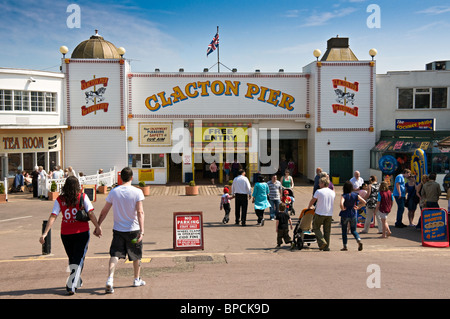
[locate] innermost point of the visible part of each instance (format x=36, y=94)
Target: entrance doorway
x=203, y=173
x=175, y=170
x=341, y=164
x=292, y=150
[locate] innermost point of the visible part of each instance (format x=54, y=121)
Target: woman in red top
x=74, y=234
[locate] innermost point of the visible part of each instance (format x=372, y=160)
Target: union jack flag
x=213, y=45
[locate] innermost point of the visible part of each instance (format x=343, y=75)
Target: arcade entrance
x=203, y=172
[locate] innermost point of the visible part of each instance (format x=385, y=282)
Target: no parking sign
x=188, y=230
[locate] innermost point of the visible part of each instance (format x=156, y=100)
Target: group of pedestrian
x=39, y=177
x=128, y=230
x=408, y=194
x=272, y=194
x=376, y=198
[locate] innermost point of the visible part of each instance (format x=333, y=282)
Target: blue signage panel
x=434, y=227
x=415, y=124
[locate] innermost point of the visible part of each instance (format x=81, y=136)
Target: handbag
x=82, y=215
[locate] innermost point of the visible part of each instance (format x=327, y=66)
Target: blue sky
x=254, y=34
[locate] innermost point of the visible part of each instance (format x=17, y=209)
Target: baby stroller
x=303, y=230
x=290, y=202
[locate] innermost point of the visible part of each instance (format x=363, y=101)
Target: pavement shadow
x=58, y=291
x=408, y=233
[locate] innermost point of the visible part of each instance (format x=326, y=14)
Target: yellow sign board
x=146, y=175
x=155, y=134
x=223, y=134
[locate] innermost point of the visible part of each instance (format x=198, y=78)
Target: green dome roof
x=95, y=48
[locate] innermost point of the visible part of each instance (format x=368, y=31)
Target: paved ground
x=236, y=263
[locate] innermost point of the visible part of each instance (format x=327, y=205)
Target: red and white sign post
x=188, y=230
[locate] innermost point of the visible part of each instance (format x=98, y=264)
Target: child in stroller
x=303, y=230
x=288, y=199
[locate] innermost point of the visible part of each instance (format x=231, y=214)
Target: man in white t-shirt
x=357, y=181
x=324, y=199
x=128, y=229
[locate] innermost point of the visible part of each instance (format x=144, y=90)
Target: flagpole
x=218, y=48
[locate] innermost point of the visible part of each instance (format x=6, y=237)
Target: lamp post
x=373, y=53
x=121, y=51
x=63, y=49
x=317, y=53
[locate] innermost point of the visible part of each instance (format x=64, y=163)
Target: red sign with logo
x=188, y=230
x=345, y=98
x=94, y=95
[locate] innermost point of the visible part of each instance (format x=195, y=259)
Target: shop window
x=41, y=159
x=134, y=160
x=28, y=162
x=148, y=160
x=157, y=160
x=14, y=163
x=53, y=160
x=440, y=163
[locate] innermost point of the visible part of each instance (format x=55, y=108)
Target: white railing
x=107, y=179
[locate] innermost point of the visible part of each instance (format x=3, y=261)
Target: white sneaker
x=109, y=286
x=138, y=282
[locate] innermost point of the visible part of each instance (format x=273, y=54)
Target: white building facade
x=31, y=120
x=169, y=127
x=413, y=112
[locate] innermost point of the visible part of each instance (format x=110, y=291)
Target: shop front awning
x=444, y=142
x=406, y=145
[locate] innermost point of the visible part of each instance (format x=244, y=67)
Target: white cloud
x=436, y=10
x=291, y=14
x=322, y=18
x=41, y=28
x=427, y=27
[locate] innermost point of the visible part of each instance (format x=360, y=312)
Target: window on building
x=21, y=101
x=134, y=160
x=53, y=160
x=439, y=98
x=25, y=101
x=440, y=163
x=28, y=162
x=37, y=101
x=422, y=98
x=50, y=102
x=405, y=98
x=148, y=160
x=14, y=163
x=157, y=160
x=42, y=160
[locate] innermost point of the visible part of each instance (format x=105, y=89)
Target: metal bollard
x=47, y=245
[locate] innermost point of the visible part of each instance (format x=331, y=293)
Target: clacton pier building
x=169, y=126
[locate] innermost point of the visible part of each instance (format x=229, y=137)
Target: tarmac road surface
x=237, y=262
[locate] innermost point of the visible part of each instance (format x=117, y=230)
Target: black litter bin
x=188, y=177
